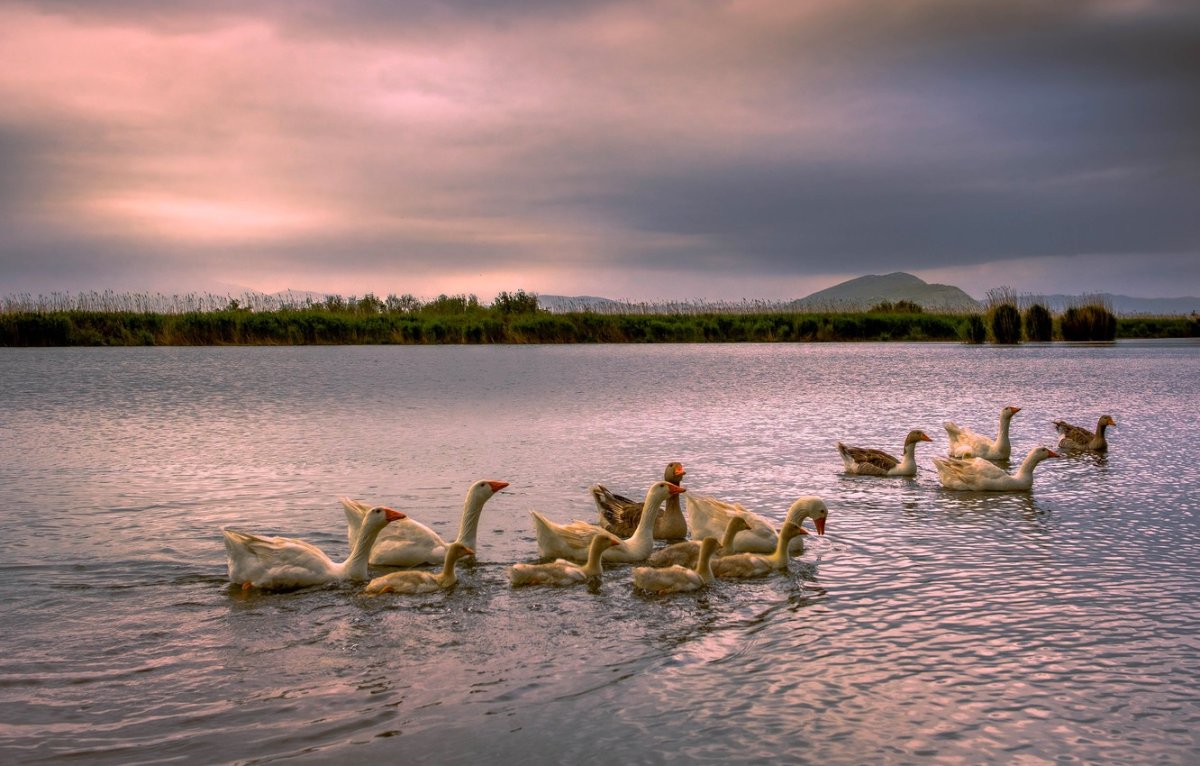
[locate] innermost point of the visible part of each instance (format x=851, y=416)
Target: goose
x=708, y=517
x=873, y=462
x=1077, y=438
x=687, y=553
x=620, y=515
x=966, y=443
x=563, y=572
x=411, y=581
x=677, y=579
x=570, y=541
x=411, y=543
x=978, y=474
x=756, y=564
x=286, y=562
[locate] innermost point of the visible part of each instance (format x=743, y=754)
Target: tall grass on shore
x=1091, y=319
x=109, y=319
x=1003, y=317
x=113, y=320
x=1038, y=323
x=973, y=330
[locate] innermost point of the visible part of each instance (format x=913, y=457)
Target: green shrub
x=1005, y=323
x=973, y=330
x=899, y=307
x=1089, y=322
x=1039, y=325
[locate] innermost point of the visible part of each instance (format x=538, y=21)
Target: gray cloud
x=846, y=137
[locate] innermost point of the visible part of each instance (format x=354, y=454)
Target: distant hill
x=865, y=292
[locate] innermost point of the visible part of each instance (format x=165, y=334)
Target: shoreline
x=491, y=326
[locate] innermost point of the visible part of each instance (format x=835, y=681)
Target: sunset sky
x=635, y=150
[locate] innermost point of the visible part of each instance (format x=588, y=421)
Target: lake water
x=1057, y=626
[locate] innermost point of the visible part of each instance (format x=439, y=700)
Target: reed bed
x=1038, y=323
x=113, y=319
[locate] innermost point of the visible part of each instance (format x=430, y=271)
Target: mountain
x=864, y=292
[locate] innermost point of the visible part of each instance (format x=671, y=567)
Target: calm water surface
x=1057, y=626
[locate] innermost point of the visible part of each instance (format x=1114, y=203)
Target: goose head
x=809, y=506
x=659, y=491
x=602, y=542
x=791, y=529
x=482, y=490
x=733, y=526
x=1037, y=455
x=1009, y=411
x=916, y=436
x=457, y=551
x=379, y=517
x=1105, y=420
x=674, y=473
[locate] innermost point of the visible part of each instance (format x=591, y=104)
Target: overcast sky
x=635, y=150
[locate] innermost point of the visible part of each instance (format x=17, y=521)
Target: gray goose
x=620, y=515
x=1078, y=438
x=873, y=462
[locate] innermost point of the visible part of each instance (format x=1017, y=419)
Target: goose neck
x=448, y=576
x=355, y=567
x=704, y=565
x=779, y=559
x=593, y=567
x=468, y=525
x=727, y=539
x=1028, y=464
x=645, y=527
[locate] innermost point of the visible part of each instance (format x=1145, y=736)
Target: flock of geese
x=727, y=540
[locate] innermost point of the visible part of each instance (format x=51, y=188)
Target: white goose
x=873, y=462
x=563, y=572
x=687, y=553
x=570, y=541
x=977, y=474
x=756, y=564
x=412, y=581
x=677, y=579
x=286, y=562
x=709, y=516
x=411, y=543
x=966, y=443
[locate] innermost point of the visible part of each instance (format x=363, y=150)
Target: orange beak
x=676, y=490
x=497, y=485
x=679, y=471
x=469, y=551
x=1051, y=453
x=820, y=525
x=393, y=515
x=1015, y=409
x=925, y=438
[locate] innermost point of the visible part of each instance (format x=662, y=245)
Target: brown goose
x=1077, y=438
x=620, y=515
x=874, y=462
